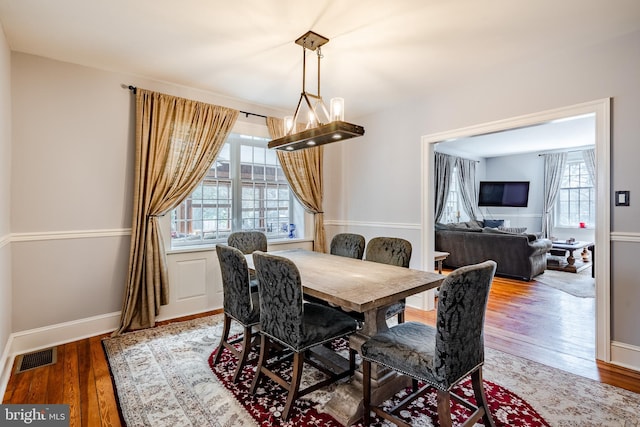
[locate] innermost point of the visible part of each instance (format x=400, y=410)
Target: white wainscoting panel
x=191, y=278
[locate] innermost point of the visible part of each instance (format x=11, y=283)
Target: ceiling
x=564, y=134
x=380, y=52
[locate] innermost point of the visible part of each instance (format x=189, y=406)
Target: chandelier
x=323, y=126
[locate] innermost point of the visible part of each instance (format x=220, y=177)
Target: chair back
x=281, y=298
x=248, y=241
x=462, y=303
x=389, y=250
x=237, y=298
x=347, y=245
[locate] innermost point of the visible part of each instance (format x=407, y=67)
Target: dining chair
x=393, y=251
x=439, y=356
x=285, y=319
x=348, y=245
x=240, y=304
x=249, y=242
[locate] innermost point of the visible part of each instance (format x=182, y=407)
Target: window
x=576, y=201
x=452, y=209
x=245, y=189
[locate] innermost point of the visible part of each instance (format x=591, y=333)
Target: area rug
x=577, y=284
x=268, y=402
x=163, y=378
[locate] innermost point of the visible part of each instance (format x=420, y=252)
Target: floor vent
x=36, y=359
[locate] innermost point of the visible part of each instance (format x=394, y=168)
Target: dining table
x=364, y=287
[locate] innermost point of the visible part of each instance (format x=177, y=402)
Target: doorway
x=601, y=110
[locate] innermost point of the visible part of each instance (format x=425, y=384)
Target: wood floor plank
x=71, y=393
x=89, y=406
x=109, y=413
x=55, y=387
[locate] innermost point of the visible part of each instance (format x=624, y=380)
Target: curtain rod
x=246, y=113
x=587, y=147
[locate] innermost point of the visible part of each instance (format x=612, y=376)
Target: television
x=504, y=193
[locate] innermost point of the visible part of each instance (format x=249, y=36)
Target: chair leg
x=294, y=386
x=401, y=317
x=223, y=338
x=481, y=398
x=444, y=408
x=264, y=350
x=366, y=391
x=244, y=352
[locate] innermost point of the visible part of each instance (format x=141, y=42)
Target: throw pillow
x=493, y=223
x=513, y=229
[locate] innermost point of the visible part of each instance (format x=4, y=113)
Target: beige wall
x=5, y=195
x=73, y=157
x=385, y=162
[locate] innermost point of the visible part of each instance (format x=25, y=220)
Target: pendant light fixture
x=322, y=126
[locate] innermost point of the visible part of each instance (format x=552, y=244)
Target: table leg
x=346, y=404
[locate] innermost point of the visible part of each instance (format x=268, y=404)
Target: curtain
x=303, y=169
x=468, y=186
x=554, y=165
x=589, y=157
x=176, y=142
x=442, y=174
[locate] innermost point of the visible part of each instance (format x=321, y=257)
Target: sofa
x=518, y=255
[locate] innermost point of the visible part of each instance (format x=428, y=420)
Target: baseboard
x=625, y=355
x=49, y=336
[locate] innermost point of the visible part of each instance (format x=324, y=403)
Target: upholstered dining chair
x=296, y=325
x=439, y=356
x=248, y=242
x=348, y=245
x=240, y=304
x=393, y=251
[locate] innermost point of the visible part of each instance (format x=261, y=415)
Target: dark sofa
x=518, y=255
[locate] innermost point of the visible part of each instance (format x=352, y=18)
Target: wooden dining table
x=365, y=287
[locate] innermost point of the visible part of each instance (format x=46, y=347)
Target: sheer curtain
x=554, y=165
x=589, y=157
x=468, y=185
x=442, y=174
x=303, y=169
x=176, y=141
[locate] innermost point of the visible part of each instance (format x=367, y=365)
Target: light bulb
x=337, y=109
x=288, y=125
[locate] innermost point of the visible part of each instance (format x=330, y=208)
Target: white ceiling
x=380, y=52
x=565, y=134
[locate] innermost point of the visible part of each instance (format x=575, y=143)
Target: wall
x=6, y=310
x=73, y=158
x=522, y=167
x=385, y=162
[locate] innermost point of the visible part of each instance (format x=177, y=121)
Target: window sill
x=206, y=248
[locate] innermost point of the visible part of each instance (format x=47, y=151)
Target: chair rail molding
x=369, y=224
x=622, y=236
x=72, y=234
x=5, y=240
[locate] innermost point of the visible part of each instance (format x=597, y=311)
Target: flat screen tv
x=504, y=193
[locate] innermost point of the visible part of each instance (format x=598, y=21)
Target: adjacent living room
x=514, y=231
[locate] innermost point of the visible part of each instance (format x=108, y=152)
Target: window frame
x=557, y=209
x=257, y=136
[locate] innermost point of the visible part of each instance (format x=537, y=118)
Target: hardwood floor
x=526, y=319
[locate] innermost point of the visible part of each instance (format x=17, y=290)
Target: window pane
x=263, y=196
x=576, y=197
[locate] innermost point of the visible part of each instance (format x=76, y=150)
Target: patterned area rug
x=268, y=402
x=577, y=284
x=163, y=378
